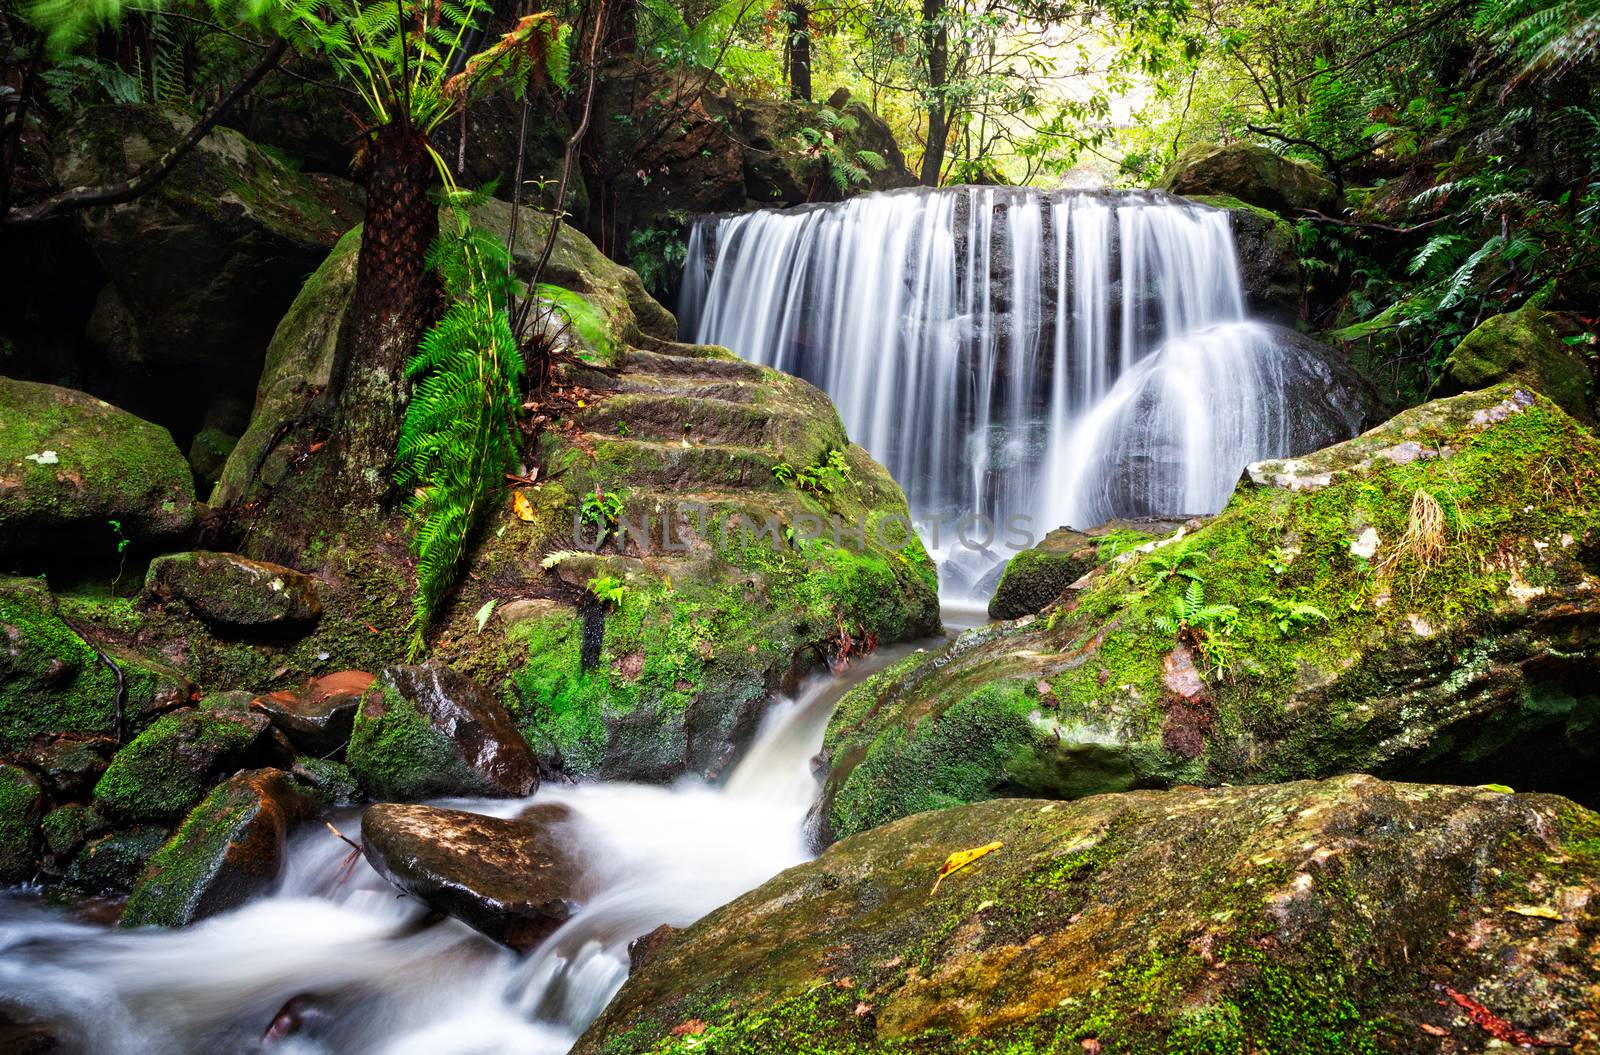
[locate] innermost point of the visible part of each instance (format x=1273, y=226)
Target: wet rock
x=69, y=763
x=642, y=948
x=203, y=266
x=65, y=830
x=208, y=453
x=1265, y=245
x=1420, y=601
x=1254, y=175
x=319, y=717
x=1227, y=920
x=51, y=681
x=514, y=880
x=234, y=593
x=430, y=730
x=166, y=769
x=111, y=863
x=331, y=780
x=1525, y=347
x=21, y=806
x=1037, y=576
x=229, y=848
x=69, y=463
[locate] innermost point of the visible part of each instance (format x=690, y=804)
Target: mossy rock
x=167, y=768
x=1267, y=250
x=208, y=453
x=1309, y=917
x=1253, y=174
x=21, y=807
x=1035, y=577
x=66, y=829
x=1525, y=347
x=111, y=863
x=424, y=731
x=236, y=593
x=229, y=848
x=51, y=681
x=70, y=464
x=1419, y=601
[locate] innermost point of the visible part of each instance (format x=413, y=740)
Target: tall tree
x=797, y=15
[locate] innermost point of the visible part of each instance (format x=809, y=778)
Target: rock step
x=674, y=466
x=672, y=418
x=678, y=365
x=682, y=385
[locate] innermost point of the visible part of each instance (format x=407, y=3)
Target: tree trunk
x=394, y=300
x=799, y=49
x=936, y=42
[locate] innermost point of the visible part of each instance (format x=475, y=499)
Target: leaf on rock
x=484, y=613
x=692, y=1028
x=1536, y=911
x=522, y=508
x=959, y=860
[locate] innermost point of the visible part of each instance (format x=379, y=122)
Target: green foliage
x=831, y=471
x=575, y=315
x=601, y=510
x=459, y=437
x=608, y=590
x=726, y=40
x=1177, y=560
x=827, y=151
x=1290, y=617
x=657, y=253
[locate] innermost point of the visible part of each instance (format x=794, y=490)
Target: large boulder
x=1351, y=915
x=1420, y=601
x=229, y=848
x=167, y=768
x=237, y=594
x=1254, y=175
x=54, y=681
x=1524, y=346
x=201, y=267
x=430, y=730
x=515, y=880
x=77, y=474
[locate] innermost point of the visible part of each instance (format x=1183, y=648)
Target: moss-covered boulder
x=167, y=768
x=71, y=464
x=208, y=453
x=69, y=764
x=52, y=681
x=1418, y=601
x=1035, y=577
x=64, y=831
x=1524, y=347
x=21, y=807
x=429, y=730
x=110, y=864
x=1252, y=174
x=229, y=847
x=201, y=267
x=237, y=594
x=1345, y=916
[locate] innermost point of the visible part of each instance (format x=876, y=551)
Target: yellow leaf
x=1536, y=911
x=521, y=507
x=959, y=860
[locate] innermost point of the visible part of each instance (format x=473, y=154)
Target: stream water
x=366, y=972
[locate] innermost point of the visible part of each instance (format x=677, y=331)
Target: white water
x=1062, y=357
x=378, y=981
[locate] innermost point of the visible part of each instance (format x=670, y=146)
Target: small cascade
x=1066, y=357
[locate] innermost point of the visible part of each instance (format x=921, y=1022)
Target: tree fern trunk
x=394, y=301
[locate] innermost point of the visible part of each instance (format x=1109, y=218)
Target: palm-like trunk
x=394, y=301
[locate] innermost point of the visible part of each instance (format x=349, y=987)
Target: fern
x=458, y=438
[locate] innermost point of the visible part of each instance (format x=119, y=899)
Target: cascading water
x=1065, y=357
x=365, y=971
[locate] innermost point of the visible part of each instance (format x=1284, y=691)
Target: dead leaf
x=863, y=1009
x=843, y=983
x=1536, y=911
x=959, y=860
x=692, y=1028
x=521, y=508
x=1433, y=1031
x=1493, y=1024
x=1090, y=1045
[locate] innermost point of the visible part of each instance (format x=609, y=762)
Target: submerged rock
x=431, y=730
x=1526, y=347
x=1253, y=174
x=514, y=880
x=229, y=848
x=1347, y=915
x=235, y=593
x=1420, y=601
x=166, y=769
x=70, y=464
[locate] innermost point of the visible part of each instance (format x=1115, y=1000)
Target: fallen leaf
x=1493, y=1024
x=1090, y=1045
x=484, y=613
x=521, y=507
x=1501, y=788
x=863, y=1009
x=1434, y=1031
x=843, y=983
x=1536, y=911
x=692, y=1028
x=959, y=860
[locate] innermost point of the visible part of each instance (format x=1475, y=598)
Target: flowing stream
x=1062, y=358
x=365, y=971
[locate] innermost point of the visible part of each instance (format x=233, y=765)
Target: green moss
x=1521, y=346
x=21, y=802
x=397, y=755
x=111, y=863
x=166, y=769
x=49, y=679
x=68, y=827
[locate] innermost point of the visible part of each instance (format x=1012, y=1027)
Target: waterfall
x=1062, y=357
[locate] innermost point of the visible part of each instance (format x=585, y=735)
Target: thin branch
x=148, y=177
x=1410, y=31
x=570, y=155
